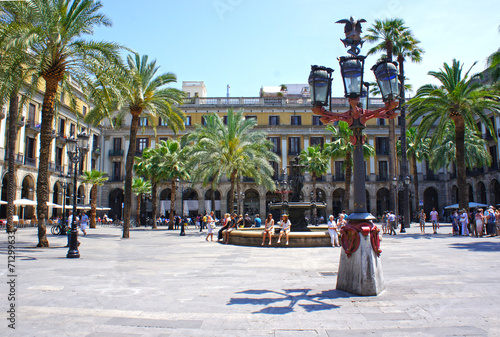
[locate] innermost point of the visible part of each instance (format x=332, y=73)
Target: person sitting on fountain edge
x=285, y=228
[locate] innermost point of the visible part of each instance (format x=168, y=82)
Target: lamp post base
x=73, y=252
x=360, y=268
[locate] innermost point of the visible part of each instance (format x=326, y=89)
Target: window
x=317, y=141
x=277, y=145
x=296, y=120
x=59, y=156
x=117, y=144
x=251, y=117
x=143, y=121
x=162, y=139
x=117, y=171
x=84, y=110
x=274, y=120
x=141, y=144
x=339, y=170
x=30, y=148
x=187, y=122
x=380, y=121
x=31, y=113
x=399, y=120
x=203, y=120
x=224, y=120
x=383, y=172
x=62, y=124
x=316, y=120
x=72, y=129
x=294, y=145
x=93, y=164
x=95, y=141
x=382, y=145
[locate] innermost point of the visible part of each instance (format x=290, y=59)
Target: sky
x=253, y=43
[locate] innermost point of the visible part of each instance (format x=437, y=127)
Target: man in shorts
x=434, y=215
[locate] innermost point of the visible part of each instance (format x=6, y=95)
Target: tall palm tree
x=173, y=167
x=316, y=162
x=233, y=150
x=444, y=152
x=417, y=151
x=96, y=178
x=139, y=92
x=14, y=75
x=394, y=38
x=342, y=147
x=140, y=187
x=55, y=37
x=459, y=99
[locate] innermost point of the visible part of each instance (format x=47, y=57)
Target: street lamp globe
x=71, y=144
x=386, y=74
x=320, y=80
x=83, y=142
x=351, y=69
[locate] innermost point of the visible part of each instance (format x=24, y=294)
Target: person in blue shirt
x=258, y=221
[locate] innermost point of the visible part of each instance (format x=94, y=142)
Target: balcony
x=61, y=137
x=338, y=178
x=293, y=152
x=30, y=162
x=33, y=126
x=18, y=157
x=116, y=178
x=382, y=177
x=115, y=153
x=20, y=122
x=96, y=151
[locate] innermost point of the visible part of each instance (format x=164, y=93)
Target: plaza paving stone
x=158, y=283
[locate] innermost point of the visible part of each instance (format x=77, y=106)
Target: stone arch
x=28, y=192
x=189, y=202
x=337, y=201
x=251, y=202
x=216, y=204
x=495, y=192
x=80, y=199
x=481, y=192
x=115, y=200
x=431, y=199
x=383, y=200
x=470, y=192
x=454, y=194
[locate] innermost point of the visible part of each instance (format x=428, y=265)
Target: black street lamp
x=352, y=71
x=283, y=189
x=77, y=149
x=64, y=186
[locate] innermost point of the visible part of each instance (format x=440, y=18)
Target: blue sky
x=251, y=43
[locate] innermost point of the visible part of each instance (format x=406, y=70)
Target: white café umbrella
x=25, y=202
x=82, y=207
x=3, y=202
x=51, y=204
x=471, y=205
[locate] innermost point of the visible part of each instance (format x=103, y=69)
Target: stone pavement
x=158, y=283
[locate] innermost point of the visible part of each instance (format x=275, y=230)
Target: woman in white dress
x=210, y=226
x=285, y=228
x=332, y=230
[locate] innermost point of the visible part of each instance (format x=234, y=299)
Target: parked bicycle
x=58, y=228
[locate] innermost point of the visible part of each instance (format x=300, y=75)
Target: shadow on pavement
x=289, y=299
x=478, y=246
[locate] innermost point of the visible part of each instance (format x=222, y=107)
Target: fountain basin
x=317, y=237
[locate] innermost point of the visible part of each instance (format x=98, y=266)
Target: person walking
x=210, y=226
x=332, y=230
x=422, y=217
x=434, y=216
x=464, y=221
x=268, y=229
x=392, y=223
x=479, y=220
x=84, y=222
x=455, y=221
x=489, y=220
x=384, y=223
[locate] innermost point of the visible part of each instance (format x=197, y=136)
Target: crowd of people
x=477, y=223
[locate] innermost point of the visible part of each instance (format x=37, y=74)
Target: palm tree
x=173, y=167
x=316, y=163
x=55, y=37
x=394, y=38
x=141, y=93
x=459, y=99
x=342, y=147
x=96, y=178
x=443, y=153
x=14, y=62
x=140, y=187
x=233, y=150
x=418, y=151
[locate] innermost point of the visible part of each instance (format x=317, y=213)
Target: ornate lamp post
x=77, y=149
x=360, y=232
x=283, y=189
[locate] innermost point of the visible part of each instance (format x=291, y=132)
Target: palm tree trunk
x=42, y=184
x=415, y=183
x=315, y=214
x=463, y=196
x=11, y=173
x=93, y=204
x=138, y=210
x=172, y=205
x=129, y=174
x=154, y=188
x=238, y=191
x=348, y=181
x=230, y=207
x=392, y=163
